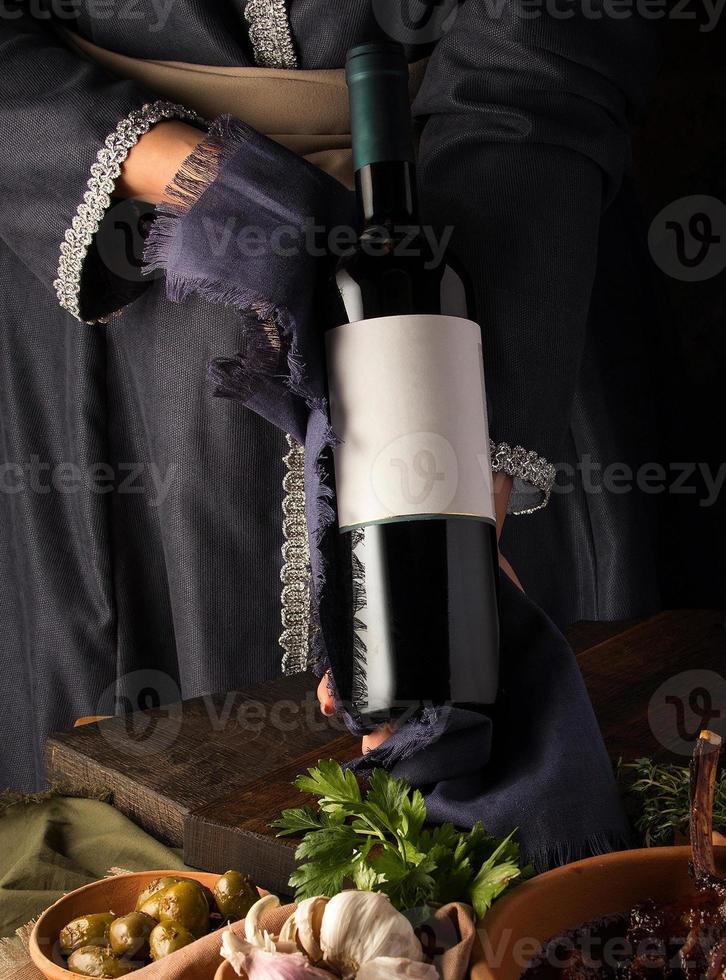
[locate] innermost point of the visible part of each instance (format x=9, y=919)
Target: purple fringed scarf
x=241, y=231
x=247, y=228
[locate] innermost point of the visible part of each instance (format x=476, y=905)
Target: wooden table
x=190, y=773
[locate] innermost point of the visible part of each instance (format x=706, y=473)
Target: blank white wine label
x=408, y=404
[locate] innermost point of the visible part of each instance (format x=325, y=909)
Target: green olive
x=99, y=961
x=167, y=938
x=129, y=935
x=87, y=930
x=148, y=900
x=235, y=895
x=186, y=905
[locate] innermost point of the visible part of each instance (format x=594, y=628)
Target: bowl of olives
x=123, y=924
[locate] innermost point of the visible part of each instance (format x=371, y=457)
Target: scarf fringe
x=195, y=176
x=565, y=852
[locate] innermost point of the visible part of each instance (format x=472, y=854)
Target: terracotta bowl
x=225, y=972
x=116, y=894
x=563, y=899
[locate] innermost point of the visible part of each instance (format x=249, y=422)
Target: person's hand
x=327, y=706
x=325, y=696
x=502, y=492
x=154, y=160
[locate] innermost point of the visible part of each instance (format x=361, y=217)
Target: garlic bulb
x=394, y=968
x=355, y=934
x=359, y=926
x=266, y=963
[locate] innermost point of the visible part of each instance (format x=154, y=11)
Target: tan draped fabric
x=306, y=111
x=202, y=960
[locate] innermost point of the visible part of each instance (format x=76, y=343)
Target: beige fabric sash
x=306, y=111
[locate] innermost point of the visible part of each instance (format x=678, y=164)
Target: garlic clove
x=253, y=932
x=395, y=968
x=254, y=963
x=308, y=924
x=359, y=926
x=289, y=930
x=283, y=946
x=234, y=950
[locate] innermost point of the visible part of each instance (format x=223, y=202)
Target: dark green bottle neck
x=382, y=134
x=386, y=193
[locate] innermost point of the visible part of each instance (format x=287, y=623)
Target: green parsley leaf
x=299, y=820
x=331, y=783
x=379, y=841
x=313, y=879
x=333, y=844
x=493, y=878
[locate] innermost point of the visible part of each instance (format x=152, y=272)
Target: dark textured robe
x=140, y=518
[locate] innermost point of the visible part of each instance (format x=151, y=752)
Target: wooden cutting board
x=210, y=774
x=169, y=765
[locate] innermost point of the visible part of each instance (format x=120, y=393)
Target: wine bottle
x=412, y=470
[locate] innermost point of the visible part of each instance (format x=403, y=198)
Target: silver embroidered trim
x=271, y=40
x=295, y=574
x=97, y=198
x=270, y=35
x=527, y=466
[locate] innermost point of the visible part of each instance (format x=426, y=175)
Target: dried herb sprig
x=659, y=794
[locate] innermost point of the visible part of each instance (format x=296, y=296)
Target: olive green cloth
x=51, y=847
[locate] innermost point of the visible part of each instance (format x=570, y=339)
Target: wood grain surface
x=210, y=774
x=167, y=762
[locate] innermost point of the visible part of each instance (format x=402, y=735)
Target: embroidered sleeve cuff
x=533, y=476
x=97, y=198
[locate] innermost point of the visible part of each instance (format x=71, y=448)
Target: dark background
x=680, y=150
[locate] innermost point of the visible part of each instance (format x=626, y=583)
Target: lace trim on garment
x=530, y=472
x=97, y=198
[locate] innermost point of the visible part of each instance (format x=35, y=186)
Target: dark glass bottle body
x=420, y=602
